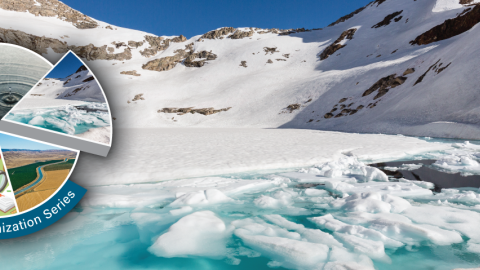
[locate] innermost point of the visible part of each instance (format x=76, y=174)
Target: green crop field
x=60, y=166
x=23, y=175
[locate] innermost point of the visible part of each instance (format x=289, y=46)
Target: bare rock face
x=138, y=97
x=349, y=16
x=348, y=34
x=91, y=52
x=266, y=31
x=50, y=8
x=41, y=44
x=135, y=44
x=187, y=55
x=408, y=71
x=91, y=78
x=204, y=55
x=384, y=85
x=182, y=111
x=450, y=28
x=219, y=33
x=179, y=39
x=378, y=2
x=268, y=50
x=158, y=44
x=293, y=107
x=132, y=73
x=388, y=19
x=32, y=42
x=243, y=64
x=241, y=34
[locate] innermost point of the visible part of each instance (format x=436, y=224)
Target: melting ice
x=342, y=214
x=66, y=119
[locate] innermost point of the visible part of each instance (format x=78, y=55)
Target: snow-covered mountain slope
x=400, y=66
x=81, y=85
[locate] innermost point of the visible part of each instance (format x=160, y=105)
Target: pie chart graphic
x=49, y=114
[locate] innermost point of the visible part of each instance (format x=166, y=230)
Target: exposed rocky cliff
x=50, y=8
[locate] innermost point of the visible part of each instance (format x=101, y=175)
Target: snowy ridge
x=443, y=104
x=81, y=85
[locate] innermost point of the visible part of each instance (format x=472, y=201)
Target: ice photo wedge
x=67, y=107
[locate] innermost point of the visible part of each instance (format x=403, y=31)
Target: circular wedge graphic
x=65, y=106
x=49, y=114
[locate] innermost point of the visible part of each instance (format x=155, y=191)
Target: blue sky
x=66, y=67
x=12, y=142
x=194, y=17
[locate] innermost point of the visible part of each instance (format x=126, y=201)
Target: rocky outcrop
x=437, y=67
x=241, y=34
x=138, y=97
x=135, y=44
x=203, y=55
x=450, y=28
x=179, y=39
x=89, y=79
x=293, y=107
x=41, y=44
x=82, y=68
x=187, y=56
x=50, y=8
x=268, y=50
x=182, y=111
x=408, y=71
x=219, y=33
x=132, y=73
x=243, y=64
x=378, y=2
x=388, y=19
x=158, y=44
x=384, y=85
x=349, y=16
x=466, y=2
x=348, y=34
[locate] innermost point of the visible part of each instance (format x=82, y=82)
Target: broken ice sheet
x=308, y=219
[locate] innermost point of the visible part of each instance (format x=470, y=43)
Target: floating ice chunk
x=208, y=196
x=313, y=192
x=330, y=223
x=373, y=249
x=404, y=167
x=448, y=218
x=181, y=210
x=341, y=259
x=401, y=228
x=286, y=252
x=422, y=184
x=371, y=173
x=198, y=234
x=334, y=173
x=216, y=196
x=267, y=202
x=371, y=203
x=311, y=235
x=473, y=247
x=349, y=166
x=37, y=121
x=394, y=188
x=278, y=199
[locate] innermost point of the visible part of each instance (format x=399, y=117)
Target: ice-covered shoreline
x=153, y=155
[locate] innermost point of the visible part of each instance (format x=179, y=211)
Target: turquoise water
x=101, y=235
x=65, y=119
